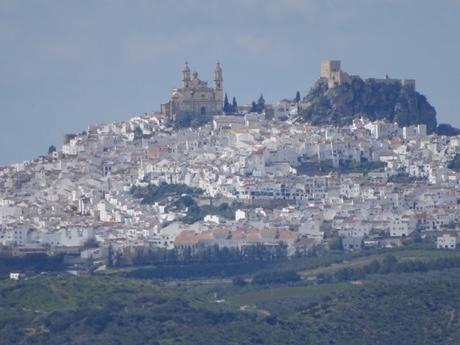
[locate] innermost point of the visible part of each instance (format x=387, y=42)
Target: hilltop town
x=190, y=177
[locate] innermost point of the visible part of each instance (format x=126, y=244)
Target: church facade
x=195, y=97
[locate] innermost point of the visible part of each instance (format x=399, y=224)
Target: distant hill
x=370, y=98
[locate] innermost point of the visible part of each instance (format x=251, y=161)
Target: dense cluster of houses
x=287, y=178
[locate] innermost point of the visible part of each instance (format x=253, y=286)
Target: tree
x=373, y=267
x=343, y=274
x=253, y=107
x=389, y=264
x=417, y=237
x=336, y=243
x=454, y=164
x=261, y=104
x=110, y=256
x=297, y=97
x=91, y=243
x=227, y=106
x=183, y=120
x=51, y=149
x=138, y=133
x=234, y=106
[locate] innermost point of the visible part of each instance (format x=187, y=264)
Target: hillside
x=369, y=98
x=393, y=308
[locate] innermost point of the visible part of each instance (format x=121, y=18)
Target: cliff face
x=369, y=98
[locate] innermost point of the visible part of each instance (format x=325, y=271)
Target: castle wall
x=333, y=74
x=389, y=81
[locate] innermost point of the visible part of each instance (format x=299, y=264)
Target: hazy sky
x=67, y=64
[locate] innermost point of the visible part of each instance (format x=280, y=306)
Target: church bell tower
x=218, y=81
x=218, y=77
x=186, y=76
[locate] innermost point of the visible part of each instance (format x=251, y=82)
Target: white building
x=400, y=227
x=446, y=241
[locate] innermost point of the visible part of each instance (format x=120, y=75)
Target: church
x=195, y=97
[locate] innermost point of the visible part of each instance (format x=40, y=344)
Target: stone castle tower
x=331, y=71
x=195, y=97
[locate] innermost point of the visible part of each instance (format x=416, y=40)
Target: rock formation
x=374, y=99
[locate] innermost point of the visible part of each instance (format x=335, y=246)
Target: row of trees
x=230, y=108
x=31, y=262
x=256, y=107
x=187, y=120
x=202, y=262
x=389, y=264
x=201, y=255
x=259, y=106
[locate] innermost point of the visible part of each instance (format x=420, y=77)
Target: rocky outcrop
x=374, y=100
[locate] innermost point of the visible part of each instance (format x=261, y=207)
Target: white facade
x=400, y=228
x=195, y=97
x=446, y=241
